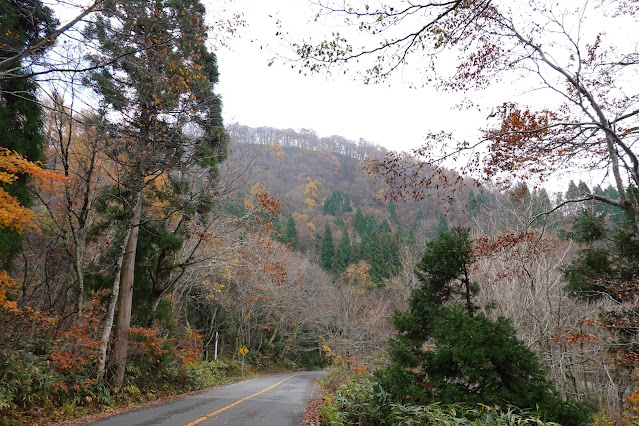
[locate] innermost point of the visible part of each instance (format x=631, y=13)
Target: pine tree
x=338, y=265
x=345, y=248
x=442, y=225
x=327, y=253
x=392, y=213
x=606, y=268
x=346, y=204
x=373, y=254
x=333, y=204
x=291, y=231
x=468, y=357
x=359, y=221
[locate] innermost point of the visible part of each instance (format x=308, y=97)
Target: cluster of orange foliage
x=188, y=348
x=13, y=215
x=7, y=284
x=570, y=337
x=75, y=349
x=147, y=342
x=631, y=408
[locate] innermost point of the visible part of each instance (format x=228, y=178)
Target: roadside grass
x=49, y=402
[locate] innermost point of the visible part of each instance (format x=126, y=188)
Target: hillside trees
x=590, y=122
x=586, y=120
x=163, y=83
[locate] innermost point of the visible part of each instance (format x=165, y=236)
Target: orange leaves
x=357, y=274
x=146, y=342
x=188, y=348
x=486, y=246
x=471, y=72
x=523, y=140
x=7, y=284
x=570, y=337
x=12, y=163
x=13, y=215
x=631, y=408
x=75, y=348
x=526, y=142
x=277, y=271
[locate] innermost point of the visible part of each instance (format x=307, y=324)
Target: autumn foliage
x=12, y=215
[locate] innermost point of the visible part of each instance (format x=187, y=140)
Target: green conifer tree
x=359, y=222
x=327, y=252
x=345, y=248
x=444, y=351
x=338, y=266
x=392, y=213
x=346, y=204
x=442, y=225
x=606, y=268
x=291, y=231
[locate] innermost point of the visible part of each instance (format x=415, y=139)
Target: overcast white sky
x=396, y=117
x=255, y=94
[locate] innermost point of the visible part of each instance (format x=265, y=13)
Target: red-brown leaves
x=529, y=239
x=76, y=348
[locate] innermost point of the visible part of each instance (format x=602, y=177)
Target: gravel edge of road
x=311, y=416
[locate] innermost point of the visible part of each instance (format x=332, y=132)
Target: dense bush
x=206, y=374
x=366, y=403
x=25, y=379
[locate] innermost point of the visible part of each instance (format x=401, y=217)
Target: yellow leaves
x=314, y=191
x=258, y=188
x=304, y=218
x=214, y=290
x=358, y=275
x=277, y=151
x=188, y=348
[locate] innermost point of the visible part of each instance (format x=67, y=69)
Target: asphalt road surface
x=276, y=400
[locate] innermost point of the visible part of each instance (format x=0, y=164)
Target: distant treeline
x=304, y=138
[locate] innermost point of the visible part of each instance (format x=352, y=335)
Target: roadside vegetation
x=140, y=237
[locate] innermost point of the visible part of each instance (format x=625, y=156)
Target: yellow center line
x=208, y=416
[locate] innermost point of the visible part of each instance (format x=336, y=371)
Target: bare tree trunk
x=125, y=297
x=108, y=322
x=79, y=270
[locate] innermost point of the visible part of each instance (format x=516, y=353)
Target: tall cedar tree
x=291, y=231
x=327, y=252
x=446, y=352
x=21, y=118
x=156, y=77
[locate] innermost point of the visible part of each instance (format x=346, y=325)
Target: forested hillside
x=343, y=219
x=147, y=249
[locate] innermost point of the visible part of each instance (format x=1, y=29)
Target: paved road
x=276, y=400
